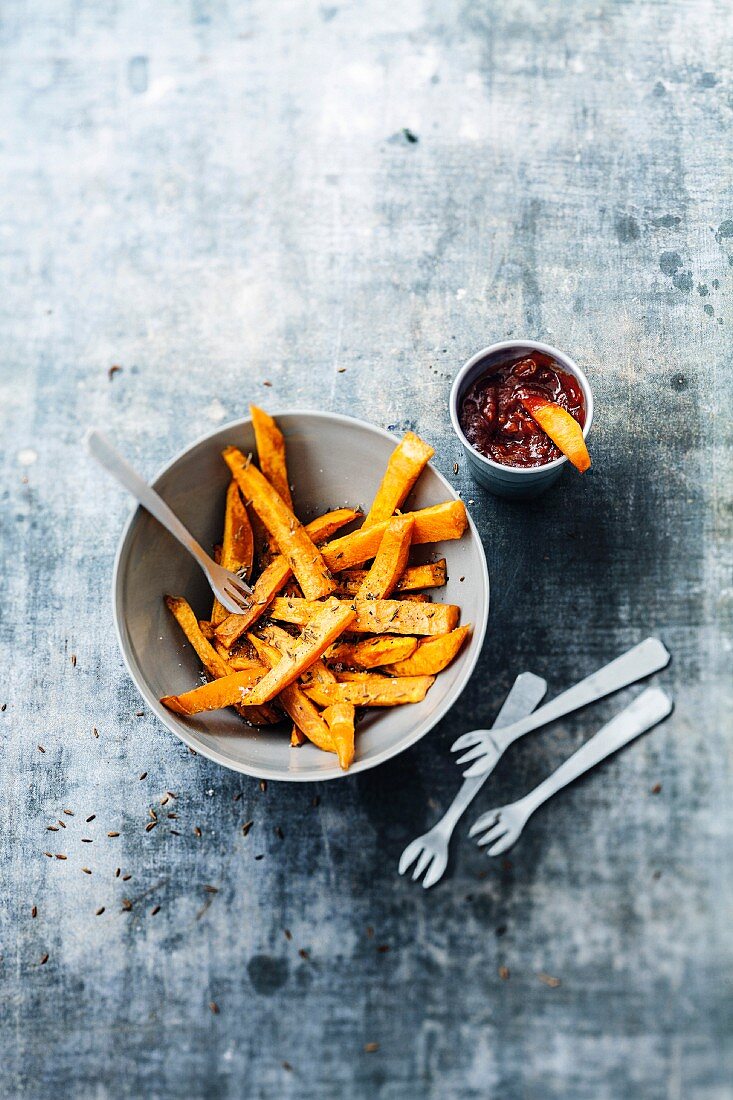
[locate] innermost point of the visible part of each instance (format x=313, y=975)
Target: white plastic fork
x=229, y=589
x=431, y=849
x=503, y=827
x=486, y=748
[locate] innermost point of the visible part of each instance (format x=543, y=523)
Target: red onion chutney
x=495, y=422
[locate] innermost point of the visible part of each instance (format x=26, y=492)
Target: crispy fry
x=294, y=542
x=376, y=691
x=214, y=665
x=237, y=544
x=276, y=576
x=297, y=737
x=372, y=652
x=271, y=452
x=377, y=616
x=391, y=559
x=415, y=577
x=225, y=692
x=406, y=463
x=434, y=524
x=432, y=655
x=296, y=703
x=318, y=672
x=328, y=624
x=339, y=718
x=562, y=428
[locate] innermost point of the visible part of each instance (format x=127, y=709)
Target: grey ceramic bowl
x=512, y=481
x=333, y=461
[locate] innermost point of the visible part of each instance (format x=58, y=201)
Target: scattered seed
x=174, y=832
x=150, y=825
x=656, y=788
x=172, y=816
x=154, y=910
x=214, y=1007
x=118, y=872
x=113, y=370
x=260, y=857
x=113, y=834
x=288, y=934
x=263, y=785
x=657, y=875
x=267, y=383
x=165, y=800
x=279, y=833
x=371, y=1048
x=90, y=818
x=197, y=831
x=500, y=930
x=69, y=813
x=288, y=1067
x=211, y=889
x=237, y=796
x=86, y=871
x=153, y=814
x=341, y=370
x=171, y=794
x=43, y=960
x=143, y=775
x=304, y=954
x=192, y=751
x=48, y=854
x=246, y=827
x=86, y=840
x=383, y=948
x=126, y=878
x=549, y=980
x=99, y=911
x=60, y=856
x=73, y=660
x=41, y=748
x=34, y=911
x=370, y=931
x=504, y=973
x=455, y=467
x=52, y=828
x=316, y=801
x=61, y=823
x=95, y=731
x=4, y=707
x=409, y=136
x=126, y=905
x=139, y=713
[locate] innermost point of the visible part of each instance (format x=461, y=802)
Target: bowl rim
x=535, y=345
x=424, y=727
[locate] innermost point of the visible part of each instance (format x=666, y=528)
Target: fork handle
x=101, y=449
x=644, y=659
x=646, y=710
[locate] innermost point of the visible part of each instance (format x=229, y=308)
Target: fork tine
x=422, y=863
x=472, y=754
x=410, y=854
x=503, y=845
x=465, y=741
x=243, y=590
x=435, y=871
x=484, y=822
x=479, y=768
x=494, y=833
x=236, y=597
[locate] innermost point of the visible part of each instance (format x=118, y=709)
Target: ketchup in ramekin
x=495, y=422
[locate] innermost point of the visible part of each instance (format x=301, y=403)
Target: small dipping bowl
x=514, y=482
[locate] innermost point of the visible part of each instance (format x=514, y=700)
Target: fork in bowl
x=431, y=849
x=229, y=588
x=502, y=827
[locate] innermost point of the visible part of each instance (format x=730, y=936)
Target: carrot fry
x=376, y=691
x=296, y=703
x=376, y=616
x=434, y=524
x=406, y=463
x=432, y=655
x=276, y=576
x=415, y=577
x=213, y=663
x=237, y=544
x=372, y=652
x=390, y=562
x=339, y=718
x=295, y=544
x=326, y=625
x=271, y=452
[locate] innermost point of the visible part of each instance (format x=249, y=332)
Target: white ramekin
x=512, y=481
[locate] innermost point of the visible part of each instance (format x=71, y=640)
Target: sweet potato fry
x=294, y=542
x=414, y=578
x=296, y=703
x=328, y=624
x=377, y=616
x=276, y=576
x=372, y=652
x=271, y=452
x=432, y=655
x=562, y=428
x=339, y=718
x=225, y=692
x=297, y=737
x=318, y=672
x=406, y=463
x=376, y=691
x=391, y=559
x=434, y=524
x=237, y=544
x=214, y=665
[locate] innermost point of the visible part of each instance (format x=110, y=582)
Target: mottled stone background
x=216, y=196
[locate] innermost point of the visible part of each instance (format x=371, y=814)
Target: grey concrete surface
x=220, y=198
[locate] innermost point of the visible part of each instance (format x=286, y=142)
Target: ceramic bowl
x=333, y=461
x=514, y=482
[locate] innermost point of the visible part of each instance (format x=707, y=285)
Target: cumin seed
x=197, y=831
x=61, y=823
x=41, y=748
x=549, y=980
x=99, y=911
x=73, y=660
x=287, y=933
x=90, y=818
x=150, y=825
x=154, y=910
x=52, y=828
x=95, y=731
x=263, y=785
x=371, y=1048
x=48, y=854
x=152, y=814
x=172, y=817
x=504, y=973
x=69, y=813
x=212, y=1004
x=126, y=878
x=113, y=834
x=59, y=855
x=126, y=905
x=304, y=953
x=455, y=467
x=174, y=832
x=34, y=911
x=246, y=827
x=86, y=871
x=143, y=775
x=118, y=872
x=86, y=840
x=43, y=960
